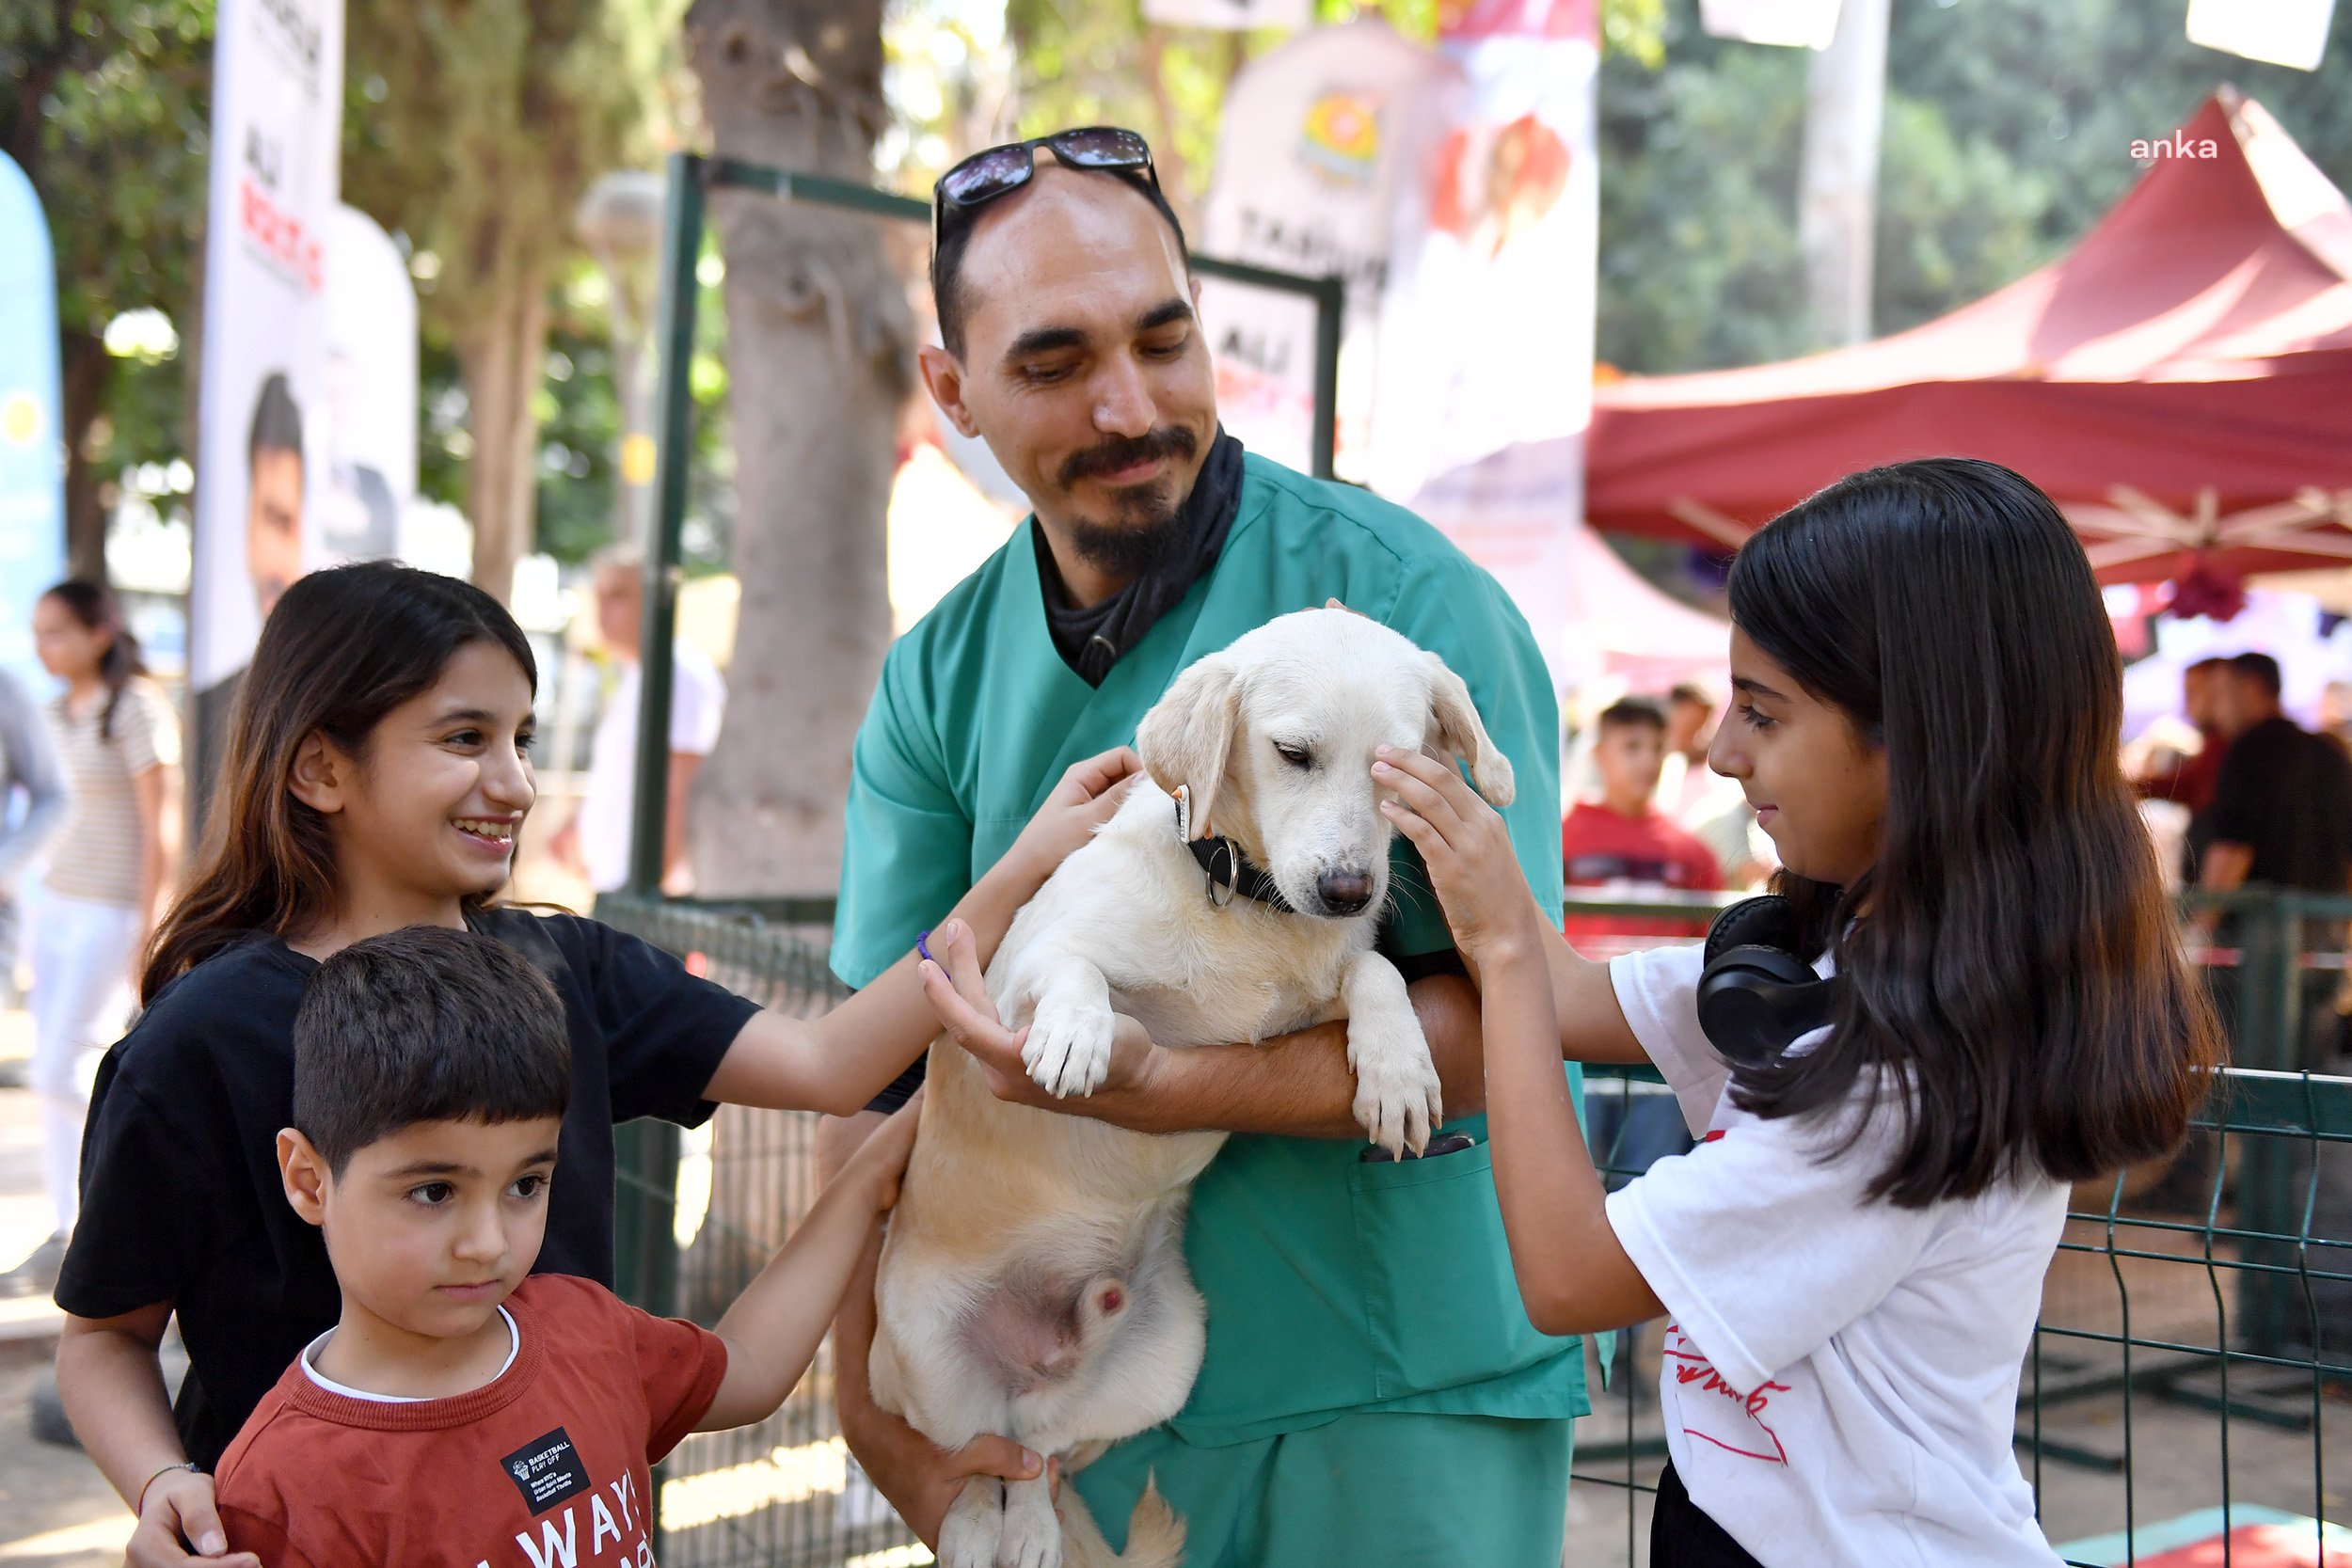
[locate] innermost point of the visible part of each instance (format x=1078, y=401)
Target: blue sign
x=32, y=446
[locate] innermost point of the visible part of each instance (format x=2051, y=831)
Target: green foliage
x=2065, y=89
x=107, y=105
x=581, y=431
x=473, y=129
x=2009, y=129
x=1699, y=263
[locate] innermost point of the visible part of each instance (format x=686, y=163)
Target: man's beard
x=1150, y=529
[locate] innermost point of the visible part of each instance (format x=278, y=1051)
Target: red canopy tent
x=2181, y=383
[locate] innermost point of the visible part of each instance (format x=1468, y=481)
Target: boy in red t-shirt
x=465, y=1411
x=1623, y=841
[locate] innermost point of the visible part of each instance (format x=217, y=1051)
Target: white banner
x=2283, y=32
x=1317, y=136
x=368, y=426
x=277, y=121
x=1231, y=15
x=1486, y=372
x=1795, y=24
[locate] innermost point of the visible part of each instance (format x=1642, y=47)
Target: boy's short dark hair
x=1633, y=710
x=1691, y=692
x=2261, y=669
x=425, y=1024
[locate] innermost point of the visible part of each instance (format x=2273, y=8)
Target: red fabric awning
x=2182, y=380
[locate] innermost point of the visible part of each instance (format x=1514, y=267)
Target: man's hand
x=916, y=1476
x=177, y=1510
x=1089, y=794
x=952, y=981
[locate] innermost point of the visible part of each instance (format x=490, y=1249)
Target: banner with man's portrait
x=277, y=119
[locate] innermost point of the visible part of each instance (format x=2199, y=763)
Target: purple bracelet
x=920, y=938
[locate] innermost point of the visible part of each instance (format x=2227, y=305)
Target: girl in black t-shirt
x=377, y=776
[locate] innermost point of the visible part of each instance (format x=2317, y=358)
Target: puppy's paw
x=974, y=1528
x=1032, y=1536
x=1398, y=1099
x=1068, y=1048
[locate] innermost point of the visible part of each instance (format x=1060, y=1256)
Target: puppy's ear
x=1454, y=727
x=1188, y=736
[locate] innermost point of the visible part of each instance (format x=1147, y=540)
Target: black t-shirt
x=2286, y=794
x=180, y=1196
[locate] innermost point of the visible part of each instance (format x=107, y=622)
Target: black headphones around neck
x=1755, y=996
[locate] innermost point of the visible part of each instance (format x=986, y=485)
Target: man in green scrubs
x=1373, y=1392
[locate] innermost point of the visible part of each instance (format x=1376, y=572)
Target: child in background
x=1623, y=842
x=464, y=1411
x=1926, y=722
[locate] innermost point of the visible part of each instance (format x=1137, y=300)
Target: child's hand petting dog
x=1088, y=796
x=959, y=995
x=1467, y=850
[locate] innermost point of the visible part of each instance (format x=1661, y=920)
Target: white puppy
x=1033, y=1283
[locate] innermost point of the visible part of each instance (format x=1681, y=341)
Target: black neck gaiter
x=1091, y=639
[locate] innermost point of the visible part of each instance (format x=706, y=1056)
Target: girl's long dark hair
x=2011, y=954
x=95, y=606
x=343, y=648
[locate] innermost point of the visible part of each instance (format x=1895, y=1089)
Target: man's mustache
x=1125, y=451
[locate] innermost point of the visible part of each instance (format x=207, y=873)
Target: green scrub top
x=1333, y=1284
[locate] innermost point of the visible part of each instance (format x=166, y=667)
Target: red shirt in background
x=1601, y=848
x=2193, y=783
x=548, y=1464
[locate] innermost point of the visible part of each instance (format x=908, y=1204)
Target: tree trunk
x=499, y=362
x=85, y=368
x=819, y=338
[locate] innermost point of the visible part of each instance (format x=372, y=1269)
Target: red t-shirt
x=1600, y=848
x=548, y=1463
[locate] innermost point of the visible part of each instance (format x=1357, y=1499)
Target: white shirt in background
x=1840, y=1378
x=697, y=702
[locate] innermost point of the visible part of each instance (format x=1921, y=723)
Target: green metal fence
x=2188, y=1381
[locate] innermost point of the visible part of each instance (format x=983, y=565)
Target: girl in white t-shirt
x=1927, y=718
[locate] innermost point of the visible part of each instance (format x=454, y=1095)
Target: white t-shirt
x=311, y=1366
x=697, y=702
x=1840, y=1381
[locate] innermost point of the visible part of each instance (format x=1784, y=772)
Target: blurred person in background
x=32, y=807
x=595, y=842
x=1623, y=842
x=2189, y=777
x=2281, y=818
x=1700, y=801
x=108, y=879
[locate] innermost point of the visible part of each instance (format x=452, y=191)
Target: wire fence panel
x=2187, y=1387
x=701, y=1212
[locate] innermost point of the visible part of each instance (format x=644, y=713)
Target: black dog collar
x=1230, y=872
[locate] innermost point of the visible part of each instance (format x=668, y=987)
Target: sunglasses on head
x=985, y=176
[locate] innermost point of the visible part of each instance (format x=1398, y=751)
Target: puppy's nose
x=1345, y=891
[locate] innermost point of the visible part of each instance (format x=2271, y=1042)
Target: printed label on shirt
x=547, y=1470
x=1713, y=1411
